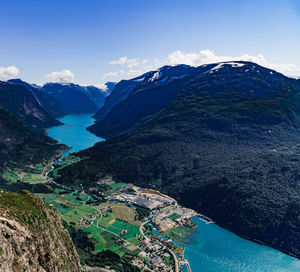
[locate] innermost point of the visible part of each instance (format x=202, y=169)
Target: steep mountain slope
x=227, y=145
x=22, y=104
x=47, y=102
x=97, y=95
x=160, y=87
x=119, y=93
x=110, y=86
x=32, y=237
x=151, y=94
x=72, y=99
x=20, y=146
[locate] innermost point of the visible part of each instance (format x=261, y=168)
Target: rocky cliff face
x=32, y=237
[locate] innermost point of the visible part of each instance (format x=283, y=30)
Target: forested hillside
x=20, y=146
x=227, y=145
x=20, y=102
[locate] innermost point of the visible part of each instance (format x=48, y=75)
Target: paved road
x=142, y=232
x=175, y=259
x=45, y=176
x=148, y=240
x=126, y=242
x=106, y=230
x=101, y=215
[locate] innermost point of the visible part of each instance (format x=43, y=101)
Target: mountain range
x=37, y=107
x=221, y=138
x=75, y=98
x=46, y=101
x=120, y=92
x=21, y=102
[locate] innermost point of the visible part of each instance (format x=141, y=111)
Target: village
x=157, y=252
x=148, y=227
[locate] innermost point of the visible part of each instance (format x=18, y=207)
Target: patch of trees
x=113, y=261
x=80, y=238
x=18, y=186
x=141, y=213
x=95, y=202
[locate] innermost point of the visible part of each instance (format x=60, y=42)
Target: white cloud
x=125, y=74
x=101, y=86
x=120, y=61
x=132, y=67
x=65, y=76
x=8, y=72
x=130, y=63
x=114, y=74
x=208, y=56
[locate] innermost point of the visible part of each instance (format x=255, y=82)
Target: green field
x=178, y=234
x=63, y=163
x=71, y=209
x=117, y=185
x=174, y=216
x=106, y=218
x=26, y=174
x=10, y=176
x=134, y=241
x=73, y=214
x=118, y=226
x=67, y=205
x=106, y=240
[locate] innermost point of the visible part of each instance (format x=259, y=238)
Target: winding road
x=175, y=259
x=148, y=240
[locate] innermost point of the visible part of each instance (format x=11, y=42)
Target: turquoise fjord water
x=73, y=133
x=214, y=249
x=210, y=248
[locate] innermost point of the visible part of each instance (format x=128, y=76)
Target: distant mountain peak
x=155, y=76
x=20, y=99
x=232, y=64
x=76, y=98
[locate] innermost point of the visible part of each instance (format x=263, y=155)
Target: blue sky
x=93, y=41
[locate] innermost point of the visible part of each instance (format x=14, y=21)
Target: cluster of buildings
x=148, y=198
x=156, y=252
x=172, y=216
x=86, y=222
x=136, y=200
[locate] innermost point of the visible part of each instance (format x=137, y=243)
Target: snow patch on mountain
x=156, y=76
x=232, y=64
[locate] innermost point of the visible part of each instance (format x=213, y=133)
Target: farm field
x=105, y=223
x=178, y=234
x=63, y=163
x=121, y=212
x=117, y=185
x=27, y=174
x=174, y=216
x=68, y=204
x=10, y=176
x=117, y=226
